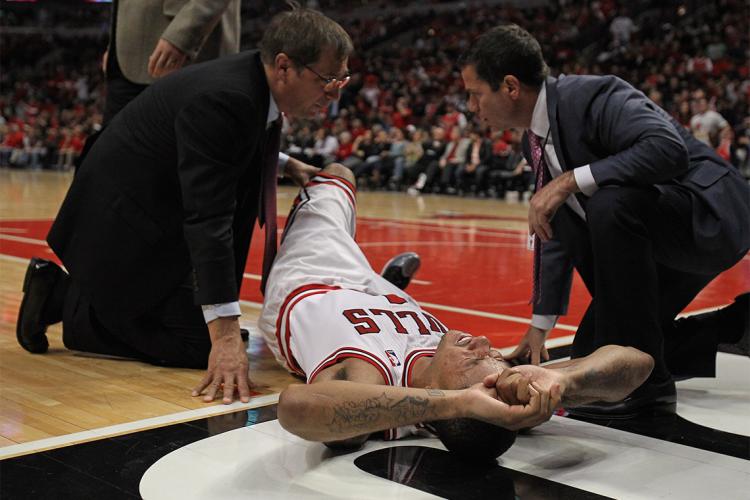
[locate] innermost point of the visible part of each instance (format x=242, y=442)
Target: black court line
x=111, y=468
x=441, y=473
x=671, y=427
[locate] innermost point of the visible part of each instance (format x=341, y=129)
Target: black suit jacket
x=171, y=187
x=604, y=122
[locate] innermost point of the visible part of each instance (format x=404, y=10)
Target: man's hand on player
x=227, y=364
x=531, y=346
x=299, y=171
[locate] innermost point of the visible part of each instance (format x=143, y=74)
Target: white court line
x=21, y=239
x=256, y=277
x=130, y=427
x=455, y=230
x=13, y=230
x=443, y=244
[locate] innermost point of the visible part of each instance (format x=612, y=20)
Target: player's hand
x=105, y=58
x=545, y=202
x=165, y=59
x=299, y=171
x=512, y=386
x=228, y=371
x=542, y=403
x=531, y=346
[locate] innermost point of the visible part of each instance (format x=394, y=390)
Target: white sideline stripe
x=13, y=230
x=483, y=314
x=21, y=239
x=129, y=427
x=256, y=277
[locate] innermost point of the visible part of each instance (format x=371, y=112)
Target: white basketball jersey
x=324, y=302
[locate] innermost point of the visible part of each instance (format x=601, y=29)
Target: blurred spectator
x=706, y=124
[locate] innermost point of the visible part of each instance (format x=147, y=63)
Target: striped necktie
x=268, y=198
x=539, y=165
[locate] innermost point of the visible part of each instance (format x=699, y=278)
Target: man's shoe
x=737, y=319
x=648, y=398
x=401, y=268
x=38, y=285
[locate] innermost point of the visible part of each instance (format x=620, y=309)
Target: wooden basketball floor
x=475, y=277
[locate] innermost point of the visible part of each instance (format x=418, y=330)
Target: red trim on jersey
x=284, y=347
x=353, y=352
x=346, y=182
x=333, y=181
x=411, y=358
x=395, y=299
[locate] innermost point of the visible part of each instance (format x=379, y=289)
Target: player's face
x=492, y=107
x=308, y=93
x=462, y=359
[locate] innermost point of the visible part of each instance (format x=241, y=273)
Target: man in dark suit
x=156, y=226
x=626, y=196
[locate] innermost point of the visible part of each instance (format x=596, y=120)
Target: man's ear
x=512, y=86
x=282, y=65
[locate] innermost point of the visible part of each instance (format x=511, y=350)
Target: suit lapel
x=552, y=100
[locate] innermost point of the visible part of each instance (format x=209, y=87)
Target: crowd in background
x=401, y=123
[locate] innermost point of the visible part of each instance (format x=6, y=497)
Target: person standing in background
x=151, y=38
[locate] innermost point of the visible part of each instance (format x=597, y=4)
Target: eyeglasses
x=331, y=83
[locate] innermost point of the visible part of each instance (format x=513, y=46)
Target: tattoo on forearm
x=361, y=415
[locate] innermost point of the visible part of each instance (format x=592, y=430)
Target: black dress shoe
x=737, y=319
x=648, y=398
x=34, y=316
x=401, y=268
x=730, y=325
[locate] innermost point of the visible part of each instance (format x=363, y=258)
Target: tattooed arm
x=337, y=410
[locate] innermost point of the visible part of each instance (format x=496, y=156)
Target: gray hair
x=303, y=34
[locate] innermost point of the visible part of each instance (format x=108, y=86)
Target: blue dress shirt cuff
x=214, y=311
x=543, y=321
x=283, y=158
x=585, y=180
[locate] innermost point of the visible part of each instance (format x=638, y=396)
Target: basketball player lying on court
x=375, y=361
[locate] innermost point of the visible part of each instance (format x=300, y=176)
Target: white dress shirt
x=585, y=181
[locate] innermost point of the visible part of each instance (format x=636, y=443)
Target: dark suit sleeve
x=212, y=133
x=638, y=143
x=556, y=280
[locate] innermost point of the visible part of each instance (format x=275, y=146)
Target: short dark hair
x=507, y=50
x=473, y=439
x=303, y=34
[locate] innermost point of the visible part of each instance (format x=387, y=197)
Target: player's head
x=462, y=360
x=305, y=54
x=499, y=69
x=507, y=50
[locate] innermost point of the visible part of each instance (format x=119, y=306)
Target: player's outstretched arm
x=608, y=374
x=338, y=410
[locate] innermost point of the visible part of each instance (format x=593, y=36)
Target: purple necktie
x=268, y=199
x=542, y=176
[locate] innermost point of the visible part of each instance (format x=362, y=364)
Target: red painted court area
x=474, y=279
